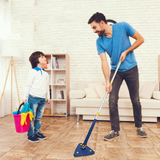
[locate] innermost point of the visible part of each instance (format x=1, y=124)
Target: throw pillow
x=100, y=90
x=146, y=91
x=90, y=93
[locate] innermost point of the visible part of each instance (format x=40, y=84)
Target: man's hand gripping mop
x=82, y=148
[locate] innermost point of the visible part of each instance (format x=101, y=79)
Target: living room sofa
x=88, y=96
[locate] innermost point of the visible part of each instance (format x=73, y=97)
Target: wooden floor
x=64, y=134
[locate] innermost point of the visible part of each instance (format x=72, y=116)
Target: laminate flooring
x=64, y=134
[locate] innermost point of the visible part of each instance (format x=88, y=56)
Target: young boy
x=36, y=90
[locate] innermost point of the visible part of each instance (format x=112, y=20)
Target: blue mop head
x=83, y=152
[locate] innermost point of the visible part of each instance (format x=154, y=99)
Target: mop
x=82, y=148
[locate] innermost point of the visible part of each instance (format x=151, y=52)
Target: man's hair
x=34, y=58
x=97, y=17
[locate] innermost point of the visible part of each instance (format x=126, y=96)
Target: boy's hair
x=34, y=58
x=97, y=17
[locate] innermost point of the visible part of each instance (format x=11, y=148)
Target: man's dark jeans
x=132, y=80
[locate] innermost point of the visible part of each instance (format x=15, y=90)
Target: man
x=114, y=39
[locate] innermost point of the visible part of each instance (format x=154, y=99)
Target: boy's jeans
x=132, y=80
x=37, y=105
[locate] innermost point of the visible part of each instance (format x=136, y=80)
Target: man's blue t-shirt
x=117, y=44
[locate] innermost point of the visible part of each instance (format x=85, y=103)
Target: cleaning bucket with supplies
x=17, y=120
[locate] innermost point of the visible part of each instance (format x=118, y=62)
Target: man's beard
x=100, y=33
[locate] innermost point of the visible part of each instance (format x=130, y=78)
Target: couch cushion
x=88, y=102
x=91, y=93
x=156, y=95
x=77, y=94
x=122, y=103
x=146, y=91
x=145, y=103
x=100, y=90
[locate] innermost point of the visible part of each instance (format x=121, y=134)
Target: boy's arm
x=48, y=94
x=105, y=69
x=28, y=85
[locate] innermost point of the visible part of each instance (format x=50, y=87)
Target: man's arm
x=139, y=40
x=105, y=69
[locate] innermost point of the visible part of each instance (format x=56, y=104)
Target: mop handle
x=92, y=126
x=105, y=96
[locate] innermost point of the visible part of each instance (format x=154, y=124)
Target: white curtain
x=5, y=31
x=5, y=107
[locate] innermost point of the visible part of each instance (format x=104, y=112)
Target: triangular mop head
x=83, y=152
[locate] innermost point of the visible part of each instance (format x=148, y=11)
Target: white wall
x=51, y=25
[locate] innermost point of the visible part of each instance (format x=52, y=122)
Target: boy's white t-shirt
x=37, y=84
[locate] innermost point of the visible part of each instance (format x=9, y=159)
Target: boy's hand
x=48, y=102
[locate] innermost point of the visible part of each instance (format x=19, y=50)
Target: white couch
x=88, y=97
